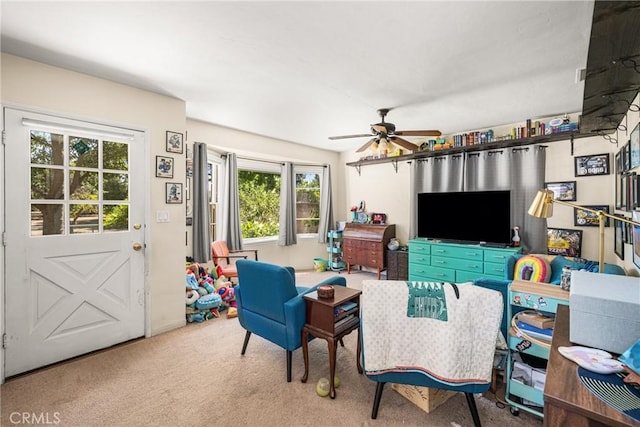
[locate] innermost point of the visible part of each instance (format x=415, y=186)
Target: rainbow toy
x=532, y=268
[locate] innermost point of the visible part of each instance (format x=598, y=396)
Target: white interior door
x=74, y=238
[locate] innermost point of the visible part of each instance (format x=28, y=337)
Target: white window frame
x=304, y=169
x=265, y=167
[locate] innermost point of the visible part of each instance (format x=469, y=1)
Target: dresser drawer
x=457, y=263
x=419, y=258
x=419, y=248
x=467, y=276
x=495, y=270
x=457, y=252
x=498, y=256
x=437, y=274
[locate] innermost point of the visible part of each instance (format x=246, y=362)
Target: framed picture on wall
x=164, y=167
x=636, y=239
x=174, y=142
x=565, y=190
x=596, y=164
x=626, y=158
x=634, y=147
x=566, y=242
x=173, y=192
x=618, y=237
x=584, y=218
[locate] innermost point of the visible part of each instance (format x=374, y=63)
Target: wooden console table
x=324, y=321
x=566, y=401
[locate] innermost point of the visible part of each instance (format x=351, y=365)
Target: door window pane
x=83, y=219
x=47, y=220
x=47, y=148
x=115, y=186
x=47, y=183
x=115, y=155
x=307, y=203
x=116, y=218
x=83, y=185
x=83, y=152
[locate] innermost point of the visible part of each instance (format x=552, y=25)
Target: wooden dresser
x=365, y=245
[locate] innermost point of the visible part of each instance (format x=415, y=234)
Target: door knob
x=137, y=246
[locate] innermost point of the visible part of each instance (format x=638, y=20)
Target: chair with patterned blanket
x=438, y=335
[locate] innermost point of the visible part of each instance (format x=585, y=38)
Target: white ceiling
x=302, y=71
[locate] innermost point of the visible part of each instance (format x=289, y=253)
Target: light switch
x=162, y=216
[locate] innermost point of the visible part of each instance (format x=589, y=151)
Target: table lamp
x=542, y=207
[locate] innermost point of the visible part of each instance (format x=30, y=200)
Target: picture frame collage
x=627, y=195
x=174, y=191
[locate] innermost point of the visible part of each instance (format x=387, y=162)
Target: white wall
x=244, y=144
x=54, y=90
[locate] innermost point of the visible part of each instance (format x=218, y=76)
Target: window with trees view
x=259, y=194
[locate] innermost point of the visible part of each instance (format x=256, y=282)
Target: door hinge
x=4, y=340
x=4, y=238
x=4, y=136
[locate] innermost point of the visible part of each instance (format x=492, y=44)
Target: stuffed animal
x=228, y=295
x=221, y=282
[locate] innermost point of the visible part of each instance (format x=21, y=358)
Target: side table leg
x=358, y=352
x=332, y=367
x=305, y=354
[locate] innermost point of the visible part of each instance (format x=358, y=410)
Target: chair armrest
x=255, y=252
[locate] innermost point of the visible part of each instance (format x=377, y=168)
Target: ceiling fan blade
x=418, y=133
x=403, y=143
x=367, y=145
x=350, y=136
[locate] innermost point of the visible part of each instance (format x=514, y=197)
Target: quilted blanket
x=459, y=349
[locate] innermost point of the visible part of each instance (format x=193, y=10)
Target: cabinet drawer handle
x=437, y=261
x=472, y=253
x=440, y=251
x=472, y=266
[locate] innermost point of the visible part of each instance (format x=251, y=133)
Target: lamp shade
x=542, y=206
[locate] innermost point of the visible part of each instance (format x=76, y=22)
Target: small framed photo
x=565, y=190
x=634, y=147
x=619, y=239
x=626, y=157
x=164, y=167
x=636, y=238
x=174, y=142
x=584, y=218
x=173, y=192
x=596, y=164
x=564, y=242
x=378, y=218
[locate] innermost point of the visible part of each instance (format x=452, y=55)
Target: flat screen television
x=466, y=217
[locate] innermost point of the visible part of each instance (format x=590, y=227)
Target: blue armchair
x=270, y=304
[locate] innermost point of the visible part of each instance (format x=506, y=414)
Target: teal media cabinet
x=434, y=261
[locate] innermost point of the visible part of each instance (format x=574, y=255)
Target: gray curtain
x=433, y=175
x=287, y=233
x=200, y=196
x=326, y=205
x=527, y=177
x=520, y=170
x=230, y=230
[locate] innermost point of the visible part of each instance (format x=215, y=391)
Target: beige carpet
x=195, y=376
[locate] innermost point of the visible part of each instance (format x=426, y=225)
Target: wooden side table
x=331, y=319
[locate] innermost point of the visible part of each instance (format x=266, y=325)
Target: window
x=307, y=201
x=259, y=194
x=79, y=185
x=212, y=179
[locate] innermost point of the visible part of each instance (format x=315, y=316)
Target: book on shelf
x=344, y=320
x=543, y=334
x=537, y=319
x=346, y=306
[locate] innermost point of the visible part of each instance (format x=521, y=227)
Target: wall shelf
x=497, y=145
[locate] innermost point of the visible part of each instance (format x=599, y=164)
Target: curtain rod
x=275, y=162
